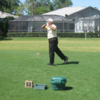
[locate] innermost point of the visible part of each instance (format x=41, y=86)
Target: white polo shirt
x=50, y=32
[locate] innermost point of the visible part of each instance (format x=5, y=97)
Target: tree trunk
x=32, y=8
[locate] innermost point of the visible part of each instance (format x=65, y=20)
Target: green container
x=58, y=83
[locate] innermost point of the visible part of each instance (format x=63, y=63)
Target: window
x=85, y=26
x=88, y=25
x=91, y=25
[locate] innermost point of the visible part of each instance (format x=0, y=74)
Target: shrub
x=44, y=34
x=4, y=26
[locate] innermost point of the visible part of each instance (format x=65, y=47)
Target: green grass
x=19, y=62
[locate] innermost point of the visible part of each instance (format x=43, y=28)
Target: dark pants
x=53, y=42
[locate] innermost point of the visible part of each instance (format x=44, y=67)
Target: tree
x=43, y=6
x=47, y=3
x=20, y=9
x=13, y=4
x=62, y=3
x=38, y=7
x=40, y=10
x=9, y=6
x=4, y=26
x=3, y=3
x=30, y=4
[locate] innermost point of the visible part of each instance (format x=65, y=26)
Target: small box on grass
x=58, y=83
x=40, y=86
x=29, y=84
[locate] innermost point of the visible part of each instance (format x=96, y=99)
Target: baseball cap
x=50, y=20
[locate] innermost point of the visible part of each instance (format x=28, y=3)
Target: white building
x=67, y=19
x=84, y=18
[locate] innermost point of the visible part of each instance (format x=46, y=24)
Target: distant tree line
x=9, y=6
x=32, y=7
x=29, y=7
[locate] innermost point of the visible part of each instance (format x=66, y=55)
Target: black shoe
x=66, y=60
x=50, y=64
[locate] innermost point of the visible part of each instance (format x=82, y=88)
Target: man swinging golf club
x=53, y=42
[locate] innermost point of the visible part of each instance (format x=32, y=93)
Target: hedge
x=44, y=34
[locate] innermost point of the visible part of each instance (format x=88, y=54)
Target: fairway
x=19, y=62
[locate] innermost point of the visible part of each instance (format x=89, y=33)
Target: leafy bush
x=4, y=26
x=44, y=34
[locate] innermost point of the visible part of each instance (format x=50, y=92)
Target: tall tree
x=31, y=4
x=62, y=3
x=47, y=3
x=20, y=9
x=13, y=4
x=43, y=6
x=3, y=3
x=9, y=6
x=38, y=7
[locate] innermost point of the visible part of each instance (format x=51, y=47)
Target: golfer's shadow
x=72, y=62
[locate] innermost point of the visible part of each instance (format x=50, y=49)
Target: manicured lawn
x=19, y=62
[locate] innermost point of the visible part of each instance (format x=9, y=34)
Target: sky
x=84, y=3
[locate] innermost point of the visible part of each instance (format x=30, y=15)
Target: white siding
x=88, y=21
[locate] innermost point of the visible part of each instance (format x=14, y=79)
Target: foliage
x=20, y=9
x=4, y=26
x=42, y=34
x=40, y=10
x=30, y=4
x=31, y=7
x=62, y=3
x=96, y=29
x=38, y=7
x=3, y=3
x=13, y=4
x=43, y=6
x=9, y=6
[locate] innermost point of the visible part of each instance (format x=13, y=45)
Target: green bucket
x=58, y=83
